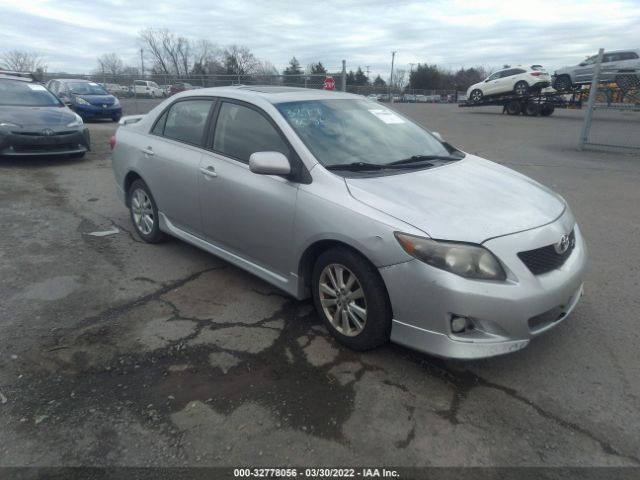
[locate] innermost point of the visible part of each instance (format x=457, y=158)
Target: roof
x=273, y=94
x=23, y=76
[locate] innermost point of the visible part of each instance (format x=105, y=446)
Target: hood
x=97, y=99
x=52, y=117
x=471, y=200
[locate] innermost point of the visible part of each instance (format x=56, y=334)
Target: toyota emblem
x=47, y=132
x=563, y=245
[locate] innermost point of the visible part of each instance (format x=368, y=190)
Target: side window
x=158, y=128
x=629, y=56
x=185, y=121
x=139, y=83
x=495, y=76
x=241, y=131
x=517, y=71
x=610, y=57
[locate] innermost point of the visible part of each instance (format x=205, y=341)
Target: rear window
x=24, y=94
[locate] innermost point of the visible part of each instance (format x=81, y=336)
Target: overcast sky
x=70, y=34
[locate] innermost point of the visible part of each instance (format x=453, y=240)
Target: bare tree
x=152, y=40
x=23, y=61
x=239, y=60
x=111, y=64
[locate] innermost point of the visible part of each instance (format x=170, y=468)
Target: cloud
x=71, y=34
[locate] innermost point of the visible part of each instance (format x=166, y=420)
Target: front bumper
x=89, y=112
x=34, y=143
x=506, y=315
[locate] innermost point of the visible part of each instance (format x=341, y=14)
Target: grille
x=39, y=134
x=63, y=147
x=546, y=259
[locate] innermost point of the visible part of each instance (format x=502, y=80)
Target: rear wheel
x=546, y=109
x=531, y=109
x=514, y=107
x=351, y=299
x=144, y=213
x=521, y=88
x=476, y=96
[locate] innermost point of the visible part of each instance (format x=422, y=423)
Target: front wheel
x=521, y=88
x=351, y=298
x=562, y=83
x=144, y=213
x=476, y=96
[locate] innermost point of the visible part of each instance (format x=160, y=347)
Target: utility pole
x=142, y=62
x=344, y=75
x=393, y=56
x=410, y=72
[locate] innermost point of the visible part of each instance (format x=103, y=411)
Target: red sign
x=329, y=83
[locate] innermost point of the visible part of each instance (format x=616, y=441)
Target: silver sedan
x=394, y=233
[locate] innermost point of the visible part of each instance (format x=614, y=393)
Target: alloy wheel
x=142, y=211
x=342, y=299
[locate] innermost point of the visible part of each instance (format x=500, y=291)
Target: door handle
x=148, y=151
x=209, y=171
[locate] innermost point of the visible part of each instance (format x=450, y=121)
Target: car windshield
x=86, y=88
x=342, y=132
x=19, y=93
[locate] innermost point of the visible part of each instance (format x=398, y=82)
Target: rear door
x=247, y=214
x=171, y=155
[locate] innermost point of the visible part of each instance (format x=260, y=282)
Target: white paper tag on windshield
x=386, y=116
x=35, y=86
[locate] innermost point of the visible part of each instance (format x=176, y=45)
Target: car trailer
x=531, y=105
x=623, y=92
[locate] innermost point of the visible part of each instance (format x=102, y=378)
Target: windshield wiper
x=422, y=158
x=355, y=166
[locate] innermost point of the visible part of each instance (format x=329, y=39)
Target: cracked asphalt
x=115, y=352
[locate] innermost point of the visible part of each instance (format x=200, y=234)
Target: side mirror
x=269, y=163
x=438, y=136
x=582, y=64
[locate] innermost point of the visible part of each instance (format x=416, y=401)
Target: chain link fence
x=125, y=85
x=130, y=86
x=612, y=116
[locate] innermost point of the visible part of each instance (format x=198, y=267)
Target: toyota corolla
x=394, y=233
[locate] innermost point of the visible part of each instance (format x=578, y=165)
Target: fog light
x=458, y=324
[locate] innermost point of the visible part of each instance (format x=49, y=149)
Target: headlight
x=9, y=124
x=469, y=261
x=77, y=122
x=81, y=101
x=116, y=103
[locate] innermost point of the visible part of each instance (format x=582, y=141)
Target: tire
x=546, y=109
x=521, y=88
x=514, y=107
x=563, y=83
x=476, y=96
x=144, y=213
x=531, y=109
x=365, y=321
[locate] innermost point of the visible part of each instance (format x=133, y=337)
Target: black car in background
x=88, y=99
x=34, y=122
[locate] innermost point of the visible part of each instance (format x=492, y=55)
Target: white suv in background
x=518, y=80
x=147, y=88
x=613, y=63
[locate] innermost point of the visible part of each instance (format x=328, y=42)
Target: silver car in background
x=614, y=63
x=394, y=233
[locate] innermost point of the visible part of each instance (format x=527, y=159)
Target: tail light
x=536, y=74
x=112, y=142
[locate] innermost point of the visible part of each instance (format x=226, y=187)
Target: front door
x=248, y=214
